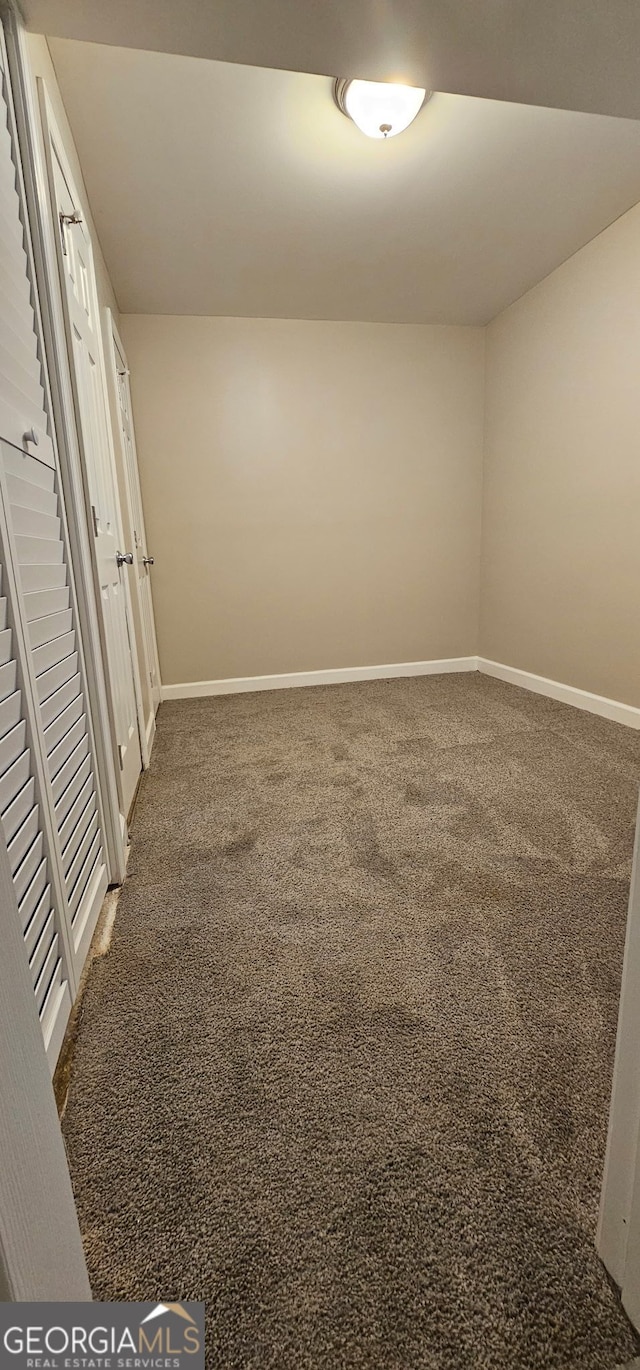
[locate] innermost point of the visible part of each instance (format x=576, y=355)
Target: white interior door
x=143, y=559
x=75, y=260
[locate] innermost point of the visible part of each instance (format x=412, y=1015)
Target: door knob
x=124, y=558
x=148, y=561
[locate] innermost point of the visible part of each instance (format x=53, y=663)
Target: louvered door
x=22, y=403
x=34, y=513
x=27, y=846
x=50, y=809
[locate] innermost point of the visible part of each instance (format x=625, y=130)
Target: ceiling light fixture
x=379, y=109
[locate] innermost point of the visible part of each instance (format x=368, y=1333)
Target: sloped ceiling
x=567, y=54
x=228, y=190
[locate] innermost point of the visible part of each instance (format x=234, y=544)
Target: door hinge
x=121, y=755
x=95, y=520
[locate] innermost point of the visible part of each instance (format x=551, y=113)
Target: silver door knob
x=124, y=558
x=148, y=561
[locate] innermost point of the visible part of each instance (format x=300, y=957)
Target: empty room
x=320, y=686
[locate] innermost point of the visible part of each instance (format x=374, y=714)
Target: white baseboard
x=554, y=689
x=151, y=731
x=566, y=694
x=341, y=675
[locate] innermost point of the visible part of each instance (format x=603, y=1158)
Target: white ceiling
x=231, y=190
x=567, y=54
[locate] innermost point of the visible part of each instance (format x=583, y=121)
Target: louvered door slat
x=80, y=841
x=45, y=577
x=61, y=725
x=53, y=652
x=12, y=745
x=34, y=551
x=62, y=751
x=29, y=901
x=33, y=523
x=3, y=612
x=51, y=680
x=47, y=972
x=15, y=293
x=50, y=626
x=66, y=773
x=33, y=472
x=78, y=805
x=17, y=811
x=19, y=845
x=5, y=646
x=57, y=702
x=25, y=368
x=28, y=866
x=68, y=797
x=11, y=781
x=42, y=947
x=24, y=493
x=8, y=676
x=52, y=1001
x=33, y=930
x=12, y=309
x=40, y=603
x=10, y=712
x=85, y=877
x=14, y=332
x=14, y=321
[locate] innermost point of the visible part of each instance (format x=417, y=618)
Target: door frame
x=618, y=1238
x=59, y=392
x=115, y=345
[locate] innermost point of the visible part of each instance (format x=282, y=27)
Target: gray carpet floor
x=344, y=1072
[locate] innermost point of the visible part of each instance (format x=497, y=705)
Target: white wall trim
x=566, y=694
x=340, y=675
x=618, y=1238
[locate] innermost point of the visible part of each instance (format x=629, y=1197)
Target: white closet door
x=22, y=402
x=33, y=510
x=143, y=561
x=29, y=857
x=80, y=304
x=49, y=805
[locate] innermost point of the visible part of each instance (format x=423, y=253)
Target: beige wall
x=560, y=592
x=312, y=491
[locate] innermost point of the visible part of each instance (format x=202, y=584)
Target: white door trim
x=618, y=1238
x=60, y=396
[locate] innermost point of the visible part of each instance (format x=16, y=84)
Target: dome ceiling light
x=379, y=109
